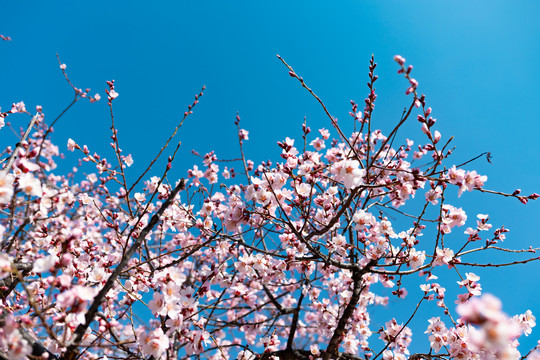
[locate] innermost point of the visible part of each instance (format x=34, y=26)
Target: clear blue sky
x=477, y=62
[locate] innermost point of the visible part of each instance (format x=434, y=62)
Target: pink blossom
x=5, y=266
x=270, y=343
x=113, y=94
x=453, y=217
x=349, y=173
x=98, y=275
x=471, y=231
x=244, y=134
x=362, y=219
x=71, y=145
x=155, y=343
x=318, y=144
x=303, y=190
x=480, y=310
x=157, y=304
x=85, y=199
x=416, y=258
x=325, y=134
x=18, y=107
x=433, y=195
x=18, y=348
x=45, y=263
x=128, y=160
x=76, y=295
x=226, y=174
x=495, y=332
x=26, y=165
x=527, y=321
x=456, y=176
x=200, y=340
x=472, y=285
x=443, y=256
x=30, y=184
x=6, y=188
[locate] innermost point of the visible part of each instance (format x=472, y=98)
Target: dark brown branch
x=335, y=341
x=294, y=323
x=290, y=354
x=71, y=352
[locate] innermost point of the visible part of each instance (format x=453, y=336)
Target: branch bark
x=335, y=341
x=71, y=350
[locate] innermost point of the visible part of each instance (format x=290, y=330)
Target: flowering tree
x=274, y=261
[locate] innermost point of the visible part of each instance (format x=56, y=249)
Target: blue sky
x=477, y=62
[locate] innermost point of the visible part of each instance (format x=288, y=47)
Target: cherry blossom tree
x=278, y=260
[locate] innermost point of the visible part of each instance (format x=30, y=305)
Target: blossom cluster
x=263, y=261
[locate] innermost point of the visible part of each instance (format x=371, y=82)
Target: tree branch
x=92, y=311
x=333, y=345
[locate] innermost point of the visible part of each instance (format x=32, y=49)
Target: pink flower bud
x=425, y=130
x=399, y=59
